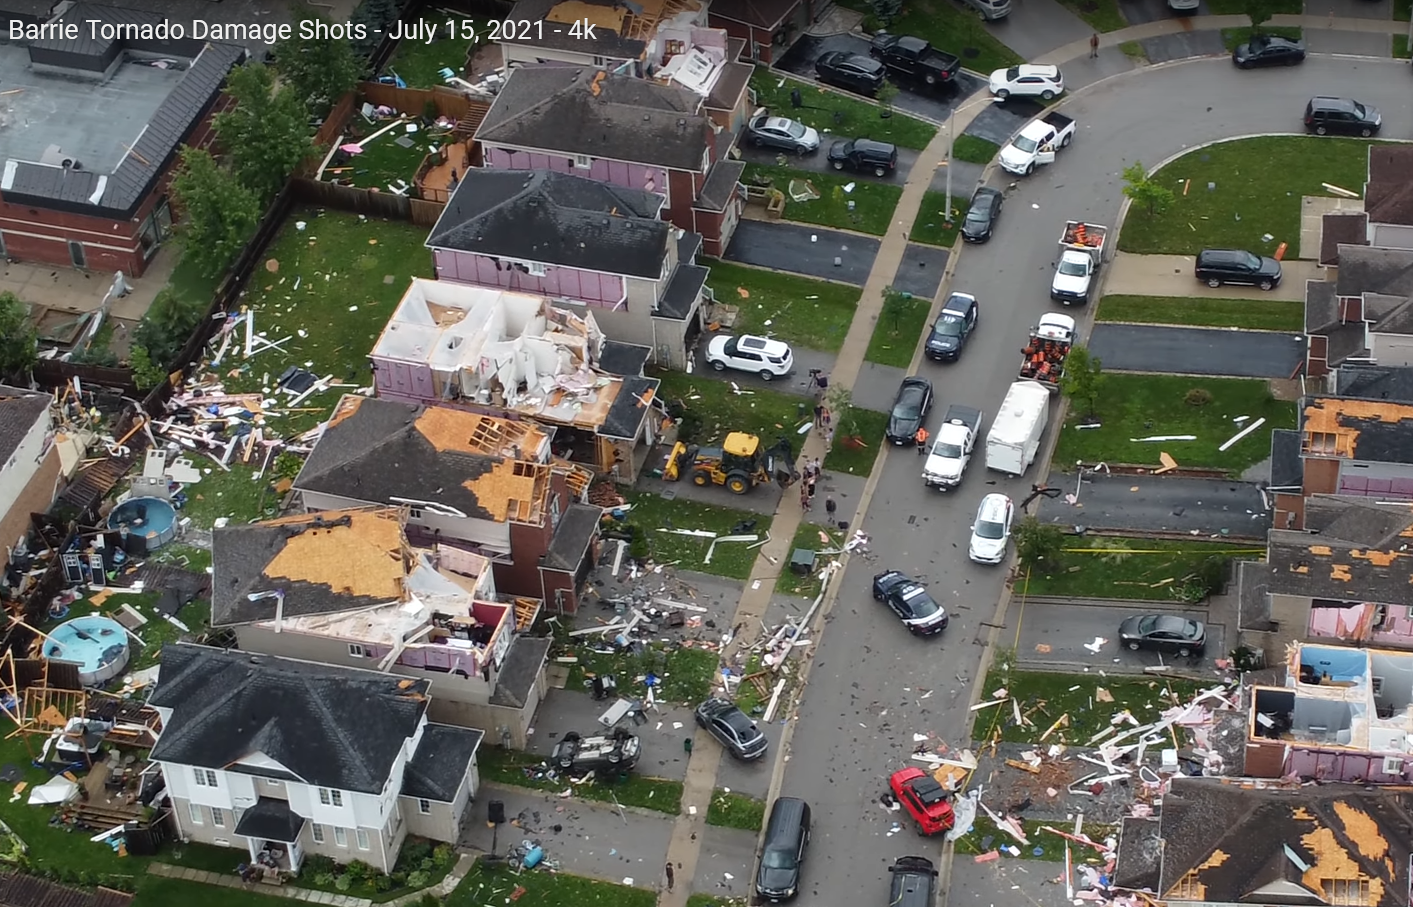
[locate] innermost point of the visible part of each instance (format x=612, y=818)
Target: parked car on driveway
x=910, y=600
x=1164, y=633
x=953, y=326
x=748, y=353
x=855, y=72
x=909, y=410
x=1268, y=50
x=864, y=155
x=1220, y=266
x=981, y=217
x=924, y=799
x=991, y=532
x=1028, y=80
x=1341, y=116
x=732, y=729
x=618, y=751
x=915, y=58
x=766, y=131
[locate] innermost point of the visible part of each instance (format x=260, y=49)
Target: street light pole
x=947, y=214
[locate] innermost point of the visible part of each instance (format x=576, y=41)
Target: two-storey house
x=30, y=468
x=638, y=134
x=588, y=246
x=347, y=588
x=283, y=758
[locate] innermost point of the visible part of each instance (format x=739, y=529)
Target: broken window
x=1346, y=892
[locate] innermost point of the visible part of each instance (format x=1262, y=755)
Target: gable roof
x=1367, y=431
x=767, y=14
x=339, y=728
x=555, y=219
x=1388, y=195
x=20, y=409
x=1374, y=269
x=1375, y=382
x=1229, y=843
x=438, y=768
x=320, y=563
x=581, y=110
x=20, y=890
x=1352, y=549
x=389, y=453
x=1342, y=228
x=1287, y=469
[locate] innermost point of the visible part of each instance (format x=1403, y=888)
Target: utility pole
x=951, y=135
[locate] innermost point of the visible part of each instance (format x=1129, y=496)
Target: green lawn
x=839, y=114
x=1401, y=9
x=350, y=275
x=191, y=283
x=1134, y=51
x=1238, y=7
x=158, y=631
x=1252, y=314
x=711, y=409
x=931, y=227
x=420, y=64
x=1144, y=569
x=813, y=314
x=496, y=885
x=873, y=203
x=237, y=495
x=1139, y=406
x=1102, y=15
x=1261, y=179
x=752, y=699
x=974, y=150
x=1050, y=846
x=1400, y=47
x=1231, y=37
x=729, y=809
x=856, y=442
x=521, y=769
x=160, y=891
x=1045, y=698
x=950, y=26
x=711, y=900
x=384, y=164
x=896, y=335
x=651, y=514
x=687, y=674
x=808, y=536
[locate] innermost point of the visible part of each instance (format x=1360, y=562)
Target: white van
x=1015, y=434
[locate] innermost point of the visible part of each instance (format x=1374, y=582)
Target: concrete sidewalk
x=1171, y=275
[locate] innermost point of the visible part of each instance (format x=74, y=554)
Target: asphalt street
x=920, y=271
x=1036, y=27
x=873, y=686
x=1160, y=503
x=1054, y=637
x=1197, y=351
x=804, y=249
x=1137, y=11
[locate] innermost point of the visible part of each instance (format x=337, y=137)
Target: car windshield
x=908, y=407
x=795, y=129
x=1025, y=144
x=920, y=603
x=980, y=210
x=950, y=451
x=948, y=326
x=1249, y=261
x=1013, y=73
x=1360, y=110
x=1146, y=625
x=777, y=859
x=1072, y=268
x=989, y=529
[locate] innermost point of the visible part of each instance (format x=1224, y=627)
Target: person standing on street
x=1094, y=45
x=921, y=439
x=671, y=878
x=830, y=507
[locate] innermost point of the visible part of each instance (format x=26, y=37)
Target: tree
x=840, y=401
x=896, y=305
x=1259, y=12
x=221, y=214
x=18, y=340
x=164, y=330
x=1140, y=186
x=1082, y=378
x=375, y=16
x=266, y=132
x=887, y=94
x=145, y=374
x=885, y=11
x=318, y=70
x=1038, y=545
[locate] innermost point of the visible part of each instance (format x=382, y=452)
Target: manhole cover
x=971, y=53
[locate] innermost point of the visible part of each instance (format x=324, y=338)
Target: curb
x=583, y=801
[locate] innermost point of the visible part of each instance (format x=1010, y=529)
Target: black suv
x=914, y=882
x=953, y=326
x=1218, y=266
x=878, y=158
x=618, y=752
x=1341, y=115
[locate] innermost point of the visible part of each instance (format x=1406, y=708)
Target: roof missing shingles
x=357, y=553
x=459, y=431
x=1365, y=430
x=511, y=488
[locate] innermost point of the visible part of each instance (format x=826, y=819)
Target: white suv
x=1028, y=80
x=992, y=530
x=748, y=353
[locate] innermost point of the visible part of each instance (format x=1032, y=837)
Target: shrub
x=325, y=879
x=418, y=880
x=429, y=900
x=1038, y=544
x=444, y=855
x=343, y=882
x=383, y=882
x=318, y=864
x=1198, y=396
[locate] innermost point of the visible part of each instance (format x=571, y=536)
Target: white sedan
x=992, y=530
x=1028, y=80
x=748, y=353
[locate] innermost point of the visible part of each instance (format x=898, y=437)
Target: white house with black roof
x=586, y=245
x=283, y=758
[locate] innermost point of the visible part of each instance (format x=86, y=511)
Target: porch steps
x=471, y=121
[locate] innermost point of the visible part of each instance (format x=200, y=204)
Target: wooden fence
x=413, y=101
x=53, y=373
x=333, y=125
x=367, y=202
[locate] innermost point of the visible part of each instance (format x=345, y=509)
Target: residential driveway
x=804, y=249
x=1053, y=637
x=763, y=500
x=1197, y=351
x=934, y=104
x=966, y=176
x=574, y=710
x=1139, y=11
x=725, y=862
x=997, y=122
x=1037, y=26
x=1159, y=504
x=1363, y=44
x=1182, y=45
x=1171, y=275
x=819, y=161
x=797, y=382
x=920, y=271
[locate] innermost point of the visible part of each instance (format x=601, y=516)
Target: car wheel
x=1065, y=142
x=1047, y=95
x=758, y=141
x=1320, y=130
x=701, y=478
x=614, y=758
x=1366, y=132
x=1214, y=282
x=1030, y=168
x=930, y=78
x=880, y=172
x=721, y=366
x=738, y=483
x=766, y=375
x=1184, y=652
x=1265, y=285
x=1133, y=646
x=1002, y=94
x=837, y=165
x=801, y=150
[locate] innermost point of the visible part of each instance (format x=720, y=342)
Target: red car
x=924, y=799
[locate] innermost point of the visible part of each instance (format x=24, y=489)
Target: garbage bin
x=687, y=746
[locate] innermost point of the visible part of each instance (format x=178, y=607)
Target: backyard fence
x=449, y=102
x=333, y=125
x=54, y=373
x=368, y=202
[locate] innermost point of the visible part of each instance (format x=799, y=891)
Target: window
x=1393, y=765
x=414, y=513
x=362, y=839
x=340, y=836
x=273, y=782
x=424, y=806
x=218, y=817
x=221, y=842
x=1346, y=892
x=317, y=831
x=77, y=255
x=537, y=269
x=194, y=810
x=357, y=651
x=205, y=778
x=582, y=161
x=330, y=797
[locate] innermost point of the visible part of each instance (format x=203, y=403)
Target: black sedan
x=852, y=71
x=1268, y=50
x=981, y=216
x=1164, y=633
x=732, y=728
x=909, y=599
x=909, y=410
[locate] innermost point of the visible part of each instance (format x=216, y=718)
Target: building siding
x=616, y=173
x=590, y=287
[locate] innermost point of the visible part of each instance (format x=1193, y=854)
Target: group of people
x=808, y=482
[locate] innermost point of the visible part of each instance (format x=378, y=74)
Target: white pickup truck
x=951, y=450
x=1037, y=143
x=1081, y=257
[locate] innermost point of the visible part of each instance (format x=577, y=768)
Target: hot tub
x=151, y=520
x=97, y=644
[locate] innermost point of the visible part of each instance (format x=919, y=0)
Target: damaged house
x=514, y=355
x=346, y=588
x=30, y=467
x=1219, y=843
x=1365, y=314
x=281, y=759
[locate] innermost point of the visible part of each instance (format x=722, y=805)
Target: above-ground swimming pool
x=97, y=644
x=151, y=519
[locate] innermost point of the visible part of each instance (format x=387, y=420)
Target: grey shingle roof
x=517, y=674
x=270, y=820
x=1287, y=469
x=1372, y=269
x=577, y=528
x=1341, y=228
x=19, y=410
x=1332, y=558
x=439, y=766
x=721, y=181
x=1385, y=437
x=767, y=14
x=623, y=359
x=580, y=110
x=625, y=417
x=555, y=219
x=1140, y=856
x=1375, y=382
x=338, y=728
x=684, y=289
x=1388, y=196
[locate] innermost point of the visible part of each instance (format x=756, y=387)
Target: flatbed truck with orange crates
x=1050, y=343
